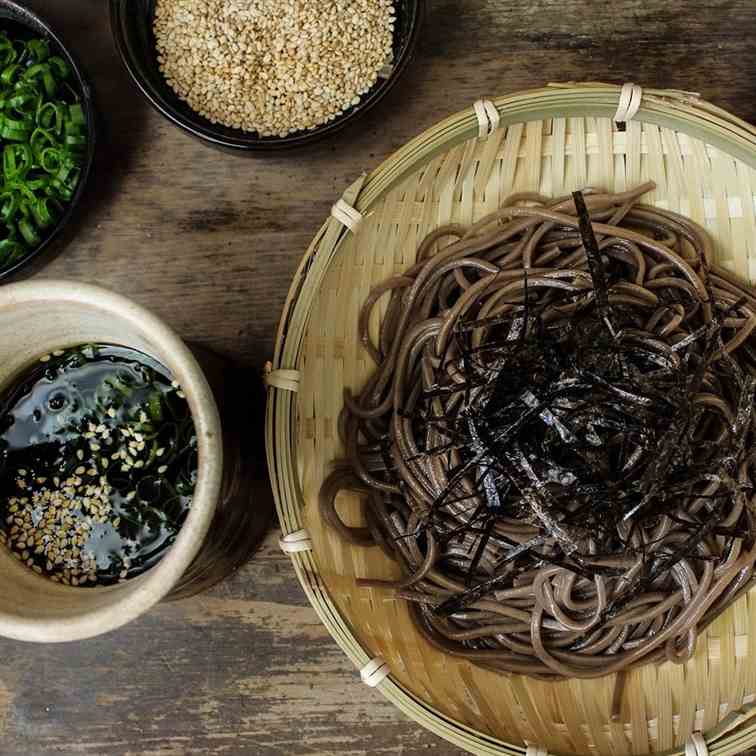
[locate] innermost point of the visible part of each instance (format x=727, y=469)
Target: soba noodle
x=556, y=445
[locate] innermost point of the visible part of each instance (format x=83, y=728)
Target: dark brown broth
x=97, y=451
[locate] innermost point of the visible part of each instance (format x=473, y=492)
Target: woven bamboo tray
x=551, y=140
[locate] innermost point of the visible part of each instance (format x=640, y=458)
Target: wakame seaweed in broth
x=98, y=463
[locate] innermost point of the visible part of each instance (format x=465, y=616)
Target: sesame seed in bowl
x=265, y=74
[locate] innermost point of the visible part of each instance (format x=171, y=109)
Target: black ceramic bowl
x=131, y=21
x=21, y=22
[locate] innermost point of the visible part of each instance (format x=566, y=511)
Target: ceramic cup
x=36, y=318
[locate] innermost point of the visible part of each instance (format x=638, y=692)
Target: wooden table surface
x=209, y=242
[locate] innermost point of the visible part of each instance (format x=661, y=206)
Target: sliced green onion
x=43, y=134
x=36, y=70
x=59, y=66
x=23, y=99
x=9, y=74
x=41, y=213
x=17, y=160
x=40, y=139
x=31, y=237
x=8, y=53
x=13, y=135
x=64, y=190
x=51, y=86
x=76, y=113
x=50, y=116
x=9, y=208
x=39, y=48
x=64, y=172
x=51, y=159
x=17, y=123
x=42, y=182
x=10, y=251
x=75, y=140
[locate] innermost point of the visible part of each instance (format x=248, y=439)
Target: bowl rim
x=87, y=101
x=144, y=591
x=255, y=144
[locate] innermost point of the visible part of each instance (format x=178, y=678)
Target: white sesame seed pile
x=52, y=523
x=273, y=66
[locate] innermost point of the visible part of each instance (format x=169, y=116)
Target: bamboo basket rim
x=677, y=109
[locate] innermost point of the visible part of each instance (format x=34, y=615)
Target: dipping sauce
x=98, y=463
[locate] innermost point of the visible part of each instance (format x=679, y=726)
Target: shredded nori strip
x=573, y=436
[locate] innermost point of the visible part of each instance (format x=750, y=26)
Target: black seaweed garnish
x=578, y=430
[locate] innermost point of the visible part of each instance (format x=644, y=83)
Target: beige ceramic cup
x=36, y=318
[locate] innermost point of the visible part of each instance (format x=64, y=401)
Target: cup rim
x=146, y=590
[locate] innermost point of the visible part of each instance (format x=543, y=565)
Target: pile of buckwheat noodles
x=556, y=445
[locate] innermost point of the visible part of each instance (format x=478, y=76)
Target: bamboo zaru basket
x=551, y=140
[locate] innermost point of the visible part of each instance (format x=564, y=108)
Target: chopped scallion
x=43, y=136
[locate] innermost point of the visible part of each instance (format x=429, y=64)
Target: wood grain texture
x=209, y=241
